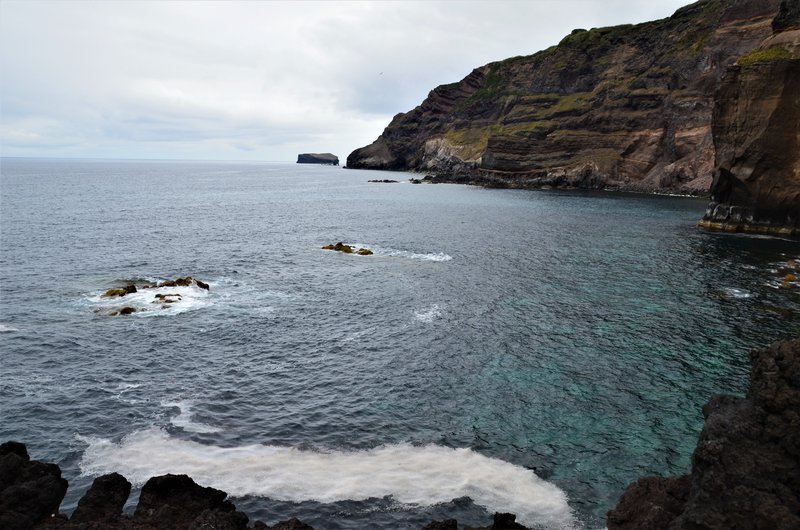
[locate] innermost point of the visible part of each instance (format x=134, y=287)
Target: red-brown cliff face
x=625, y=107
x=756, y=131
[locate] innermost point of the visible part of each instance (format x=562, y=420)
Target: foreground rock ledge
x=746, y=467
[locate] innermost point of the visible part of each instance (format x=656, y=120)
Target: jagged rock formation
x=756, y=131
x=30, y=491
x=318, y=158
x=625, y=107
x=746, y=467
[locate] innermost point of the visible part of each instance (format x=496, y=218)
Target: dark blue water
x=502, y=350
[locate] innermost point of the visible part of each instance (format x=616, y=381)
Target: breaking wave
x=411, y=475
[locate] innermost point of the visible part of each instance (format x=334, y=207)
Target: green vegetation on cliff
x=644, y=93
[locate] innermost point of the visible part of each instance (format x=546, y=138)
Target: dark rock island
x=626, y=107
x=327, y=159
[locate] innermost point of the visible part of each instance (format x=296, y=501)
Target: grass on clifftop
x=776, y=53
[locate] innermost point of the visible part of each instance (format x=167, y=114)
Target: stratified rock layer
x=746, y=467
x=625, y=107
x=757, y=136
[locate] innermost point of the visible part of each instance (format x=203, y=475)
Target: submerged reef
x=746, y=466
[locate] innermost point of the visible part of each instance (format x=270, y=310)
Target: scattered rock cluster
x=746, y=466
x=163, y=299
x=348, y=249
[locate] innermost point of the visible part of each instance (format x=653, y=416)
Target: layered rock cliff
x=625, y=107
x=746, y=467
x=756, y=129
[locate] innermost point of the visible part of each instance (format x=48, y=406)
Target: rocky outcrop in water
x=348, y=249
x=626, y=107
x=756, y=131
x=746, y=467
x=327, y=159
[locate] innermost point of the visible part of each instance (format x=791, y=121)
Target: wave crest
x=412, y=475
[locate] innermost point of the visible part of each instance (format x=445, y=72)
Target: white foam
x=145, y=302
x=393, y=252
x=428, y=315
x=5, y=328
x=411, y=475
x=733, y=292
x=184, y=418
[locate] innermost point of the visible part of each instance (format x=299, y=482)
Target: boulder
x=348, y=249
x=122, y=291
x=104, y=501
x=176, y=501
x=30, y=491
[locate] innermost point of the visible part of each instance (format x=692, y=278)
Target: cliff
x=746, y=466
x=626, y=107
x=756, y=129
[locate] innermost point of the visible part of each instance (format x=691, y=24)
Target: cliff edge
x=756, y=129
x=625, y=107
x=746, y=466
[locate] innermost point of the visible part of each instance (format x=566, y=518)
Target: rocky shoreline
x=746, y=466
x=745, y=474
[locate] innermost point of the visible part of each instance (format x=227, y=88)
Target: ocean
x=502, y=350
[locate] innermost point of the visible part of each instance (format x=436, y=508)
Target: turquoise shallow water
x=527, y=351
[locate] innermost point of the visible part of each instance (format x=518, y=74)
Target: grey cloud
x=258, y=80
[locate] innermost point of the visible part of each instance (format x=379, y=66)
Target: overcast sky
x=253, y=80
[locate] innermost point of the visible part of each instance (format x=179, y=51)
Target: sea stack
x=327, y=159
x=756, y=128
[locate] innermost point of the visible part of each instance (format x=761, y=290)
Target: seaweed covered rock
x=348, y=249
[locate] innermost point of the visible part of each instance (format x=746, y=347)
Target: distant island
x=318, y=158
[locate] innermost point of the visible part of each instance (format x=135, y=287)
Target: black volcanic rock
x=626, y=107
x=104, y=501
x=176, y=501
x=30, y=491
x=318, y=158
x=746, y=467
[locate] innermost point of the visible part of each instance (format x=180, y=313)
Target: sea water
x=501, y=350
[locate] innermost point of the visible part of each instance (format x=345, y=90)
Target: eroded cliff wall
x=756, y=131
x=624, y=107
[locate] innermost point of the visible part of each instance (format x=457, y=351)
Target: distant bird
x=380, y=73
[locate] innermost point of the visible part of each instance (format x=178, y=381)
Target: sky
x=253, y=80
